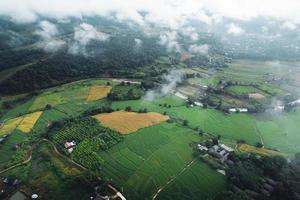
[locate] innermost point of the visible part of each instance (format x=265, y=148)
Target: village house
x=70, y=146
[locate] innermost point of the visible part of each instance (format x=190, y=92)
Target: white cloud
x=48, y=32
x=199, y=49
x=138, y=43
x=289, y=25
x=234, y=29
x=169, y=40
x=83, y=35
x=168, y=13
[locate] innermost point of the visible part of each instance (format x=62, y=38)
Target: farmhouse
x=202, y=148
x=220, y=151
x=242, y=110
x=70, y=146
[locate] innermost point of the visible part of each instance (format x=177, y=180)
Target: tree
x=128, y=108
x=259, y=145
x=107, y=83
x=48, y=107
x=185, y=122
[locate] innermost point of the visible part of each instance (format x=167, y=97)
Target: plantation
x=128, y=122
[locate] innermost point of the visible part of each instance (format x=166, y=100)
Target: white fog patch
x=138, y=43
x=289, y=25
x=234, y=29
x=191, y=33
x=48, y=32
x=169, y=40
x=83, y=35
x=199, y=49
x=171, y=80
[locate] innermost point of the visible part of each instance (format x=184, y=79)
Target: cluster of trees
x=126, y=92
x=255, y=177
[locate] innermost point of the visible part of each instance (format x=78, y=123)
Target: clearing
x=128, y=122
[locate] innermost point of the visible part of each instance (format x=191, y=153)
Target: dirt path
x=172, y=179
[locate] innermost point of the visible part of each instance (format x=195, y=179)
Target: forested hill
x=49, y=52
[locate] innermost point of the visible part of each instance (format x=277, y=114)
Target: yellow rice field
x=29, y=121
x=98, y=92
x=23, y=123
x=129, y=122
x=10, y=125
x=245, y=148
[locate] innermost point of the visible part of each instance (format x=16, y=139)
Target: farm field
x=279, y=132
x=7, y=149
x=29, y=121
x=47, y=98
x=98, y=92
x=245, y=148
x=188, y=186
x=128, y=122
x=146, y=160
x=24, y=123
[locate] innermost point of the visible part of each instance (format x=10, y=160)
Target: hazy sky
x=167, y=12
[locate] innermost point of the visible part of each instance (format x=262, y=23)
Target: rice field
x=10, y=125
x=23, y=123
x=144, y=163
x=29, y=121
x=48, y=98
x=129, y=122
x=98, y=92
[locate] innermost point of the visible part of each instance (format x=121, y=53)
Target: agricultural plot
x=29, y=121
x=245, y=148
x=146, y=160
x=7, y=149
x=98, y=92
x=281, y=131
x=128, y=122
x=47, y=98
x=194, y=183
x=24, y=123
x=244, y=90
x=47, y=174
x=10, y=125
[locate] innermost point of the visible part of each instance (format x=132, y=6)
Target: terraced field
x=147, y=160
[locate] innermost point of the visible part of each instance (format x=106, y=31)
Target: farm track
x=172, y=179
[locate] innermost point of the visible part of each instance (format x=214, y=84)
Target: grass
x=98, y=92
x=146, y=160
x=129, y=122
